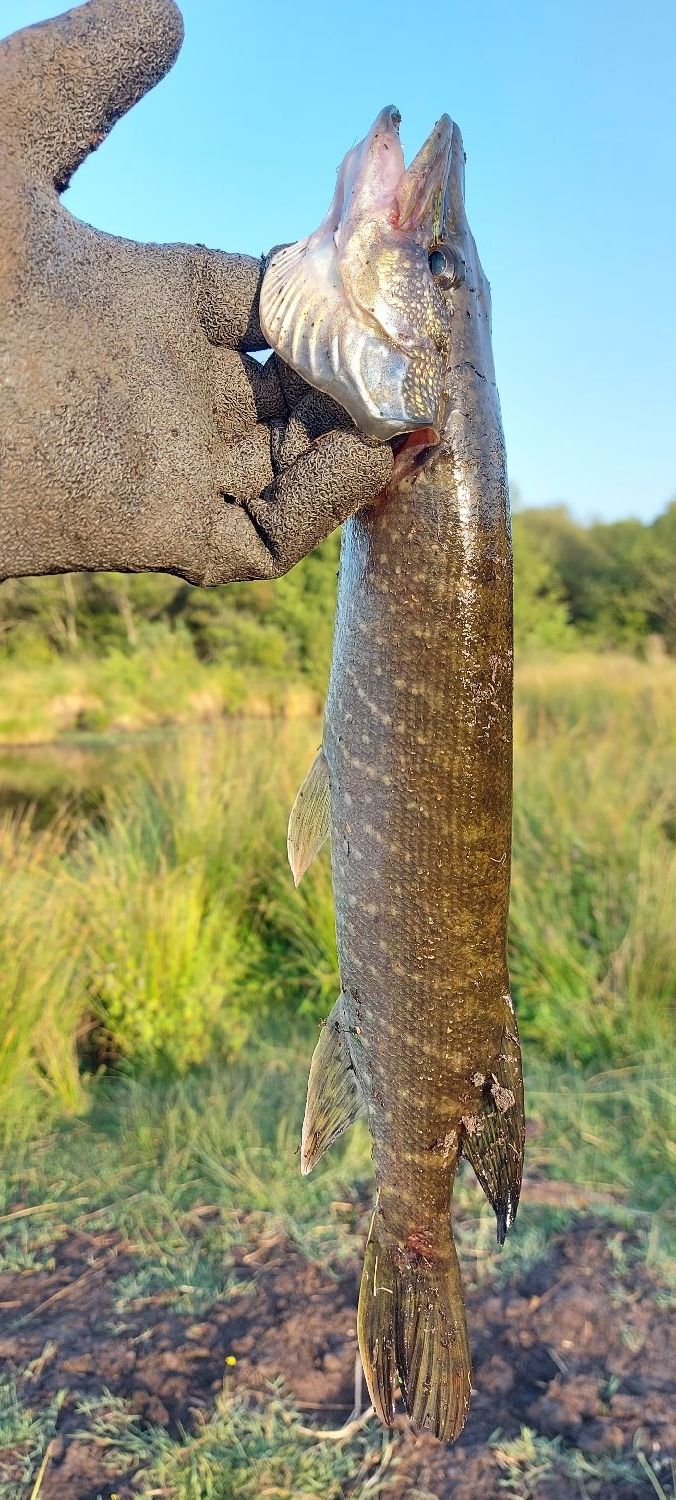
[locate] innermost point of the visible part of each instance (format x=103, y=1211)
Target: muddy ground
x=576, y=1348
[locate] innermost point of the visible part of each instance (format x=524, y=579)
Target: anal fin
x=333, y=1095
x=310, y=820
x=494, y=1137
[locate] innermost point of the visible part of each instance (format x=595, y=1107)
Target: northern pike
x=387, y=308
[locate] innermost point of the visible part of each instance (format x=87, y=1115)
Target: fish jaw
x=369, y=179
x=421, y=195
x=354, y=308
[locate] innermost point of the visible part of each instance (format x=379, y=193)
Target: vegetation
x=99, y=652
x=154, y=923
x=161, y=981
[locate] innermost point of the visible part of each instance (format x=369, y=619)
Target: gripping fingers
x=337, y=475
x=262, y=538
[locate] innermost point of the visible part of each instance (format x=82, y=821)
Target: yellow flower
x=230, y=1359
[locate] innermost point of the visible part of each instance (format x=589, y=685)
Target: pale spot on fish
x=504, y=1098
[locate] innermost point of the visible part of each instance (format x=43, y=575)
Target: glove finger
x=337, y=475
x=243, y=392
x=236, y=553
x=243, y=539
x=314, y=416
x=245, y=467
x=227, y=289
x=66, y=81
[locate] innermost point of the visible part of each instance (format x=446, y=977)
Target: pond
x=77, y=773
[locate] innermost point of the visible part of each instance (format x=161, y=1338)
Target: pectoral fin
x=333, y=1095
x=310, y=820
x=494, y=1136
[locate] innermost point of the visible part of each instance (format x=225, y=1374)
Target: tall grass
x=593, y=950
x=165, y=927
x=42, y=1015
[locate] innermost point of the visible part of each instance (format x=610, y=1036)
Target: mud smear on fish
x=387, y=308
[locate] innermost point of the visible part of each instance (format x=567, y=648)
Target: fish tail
x=411, y=1325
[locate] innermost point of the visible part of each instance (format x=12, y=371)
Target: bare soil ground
x=577, y=1347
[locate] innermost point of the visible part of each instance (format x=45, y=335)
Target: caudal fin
x=411, y=1325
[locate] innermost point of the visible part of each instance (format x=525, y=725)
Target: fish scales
x=413, y=781
x=417, y=737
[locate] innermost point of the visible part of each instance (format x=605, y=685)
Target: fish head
x=357, y=308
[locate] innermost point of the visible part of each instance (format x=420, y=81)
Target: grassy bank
x=160, y=987
x=152, y=921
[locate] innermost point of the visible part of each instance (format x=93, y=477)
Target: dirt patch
x=577, y=1348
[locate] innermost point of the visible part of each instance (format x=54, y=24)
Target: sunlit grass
x=530, y=1461
x=242, y=1452
x=166, y=929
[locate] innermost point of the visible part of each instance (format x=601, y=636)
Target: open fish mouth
x=358, y=307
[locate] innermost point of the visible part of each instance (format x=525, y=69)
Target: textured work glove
x=136, y=432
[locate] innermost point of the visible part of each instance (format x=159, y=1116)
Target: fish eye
x=437, y=261
x=446, y=266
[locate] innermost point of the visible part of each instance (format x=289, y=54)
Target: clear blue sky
x=567, y=111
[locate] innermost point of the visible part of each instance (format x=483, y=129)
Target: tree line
x=610, y=585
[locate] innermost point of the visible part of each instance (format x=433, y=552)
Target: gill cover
x=354, y=308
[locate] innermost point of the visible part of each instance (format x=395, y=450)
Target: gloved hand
x=135, y=431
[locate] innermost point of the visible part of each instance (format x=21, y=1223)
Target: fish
x=353, y=307
x=413, y=780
